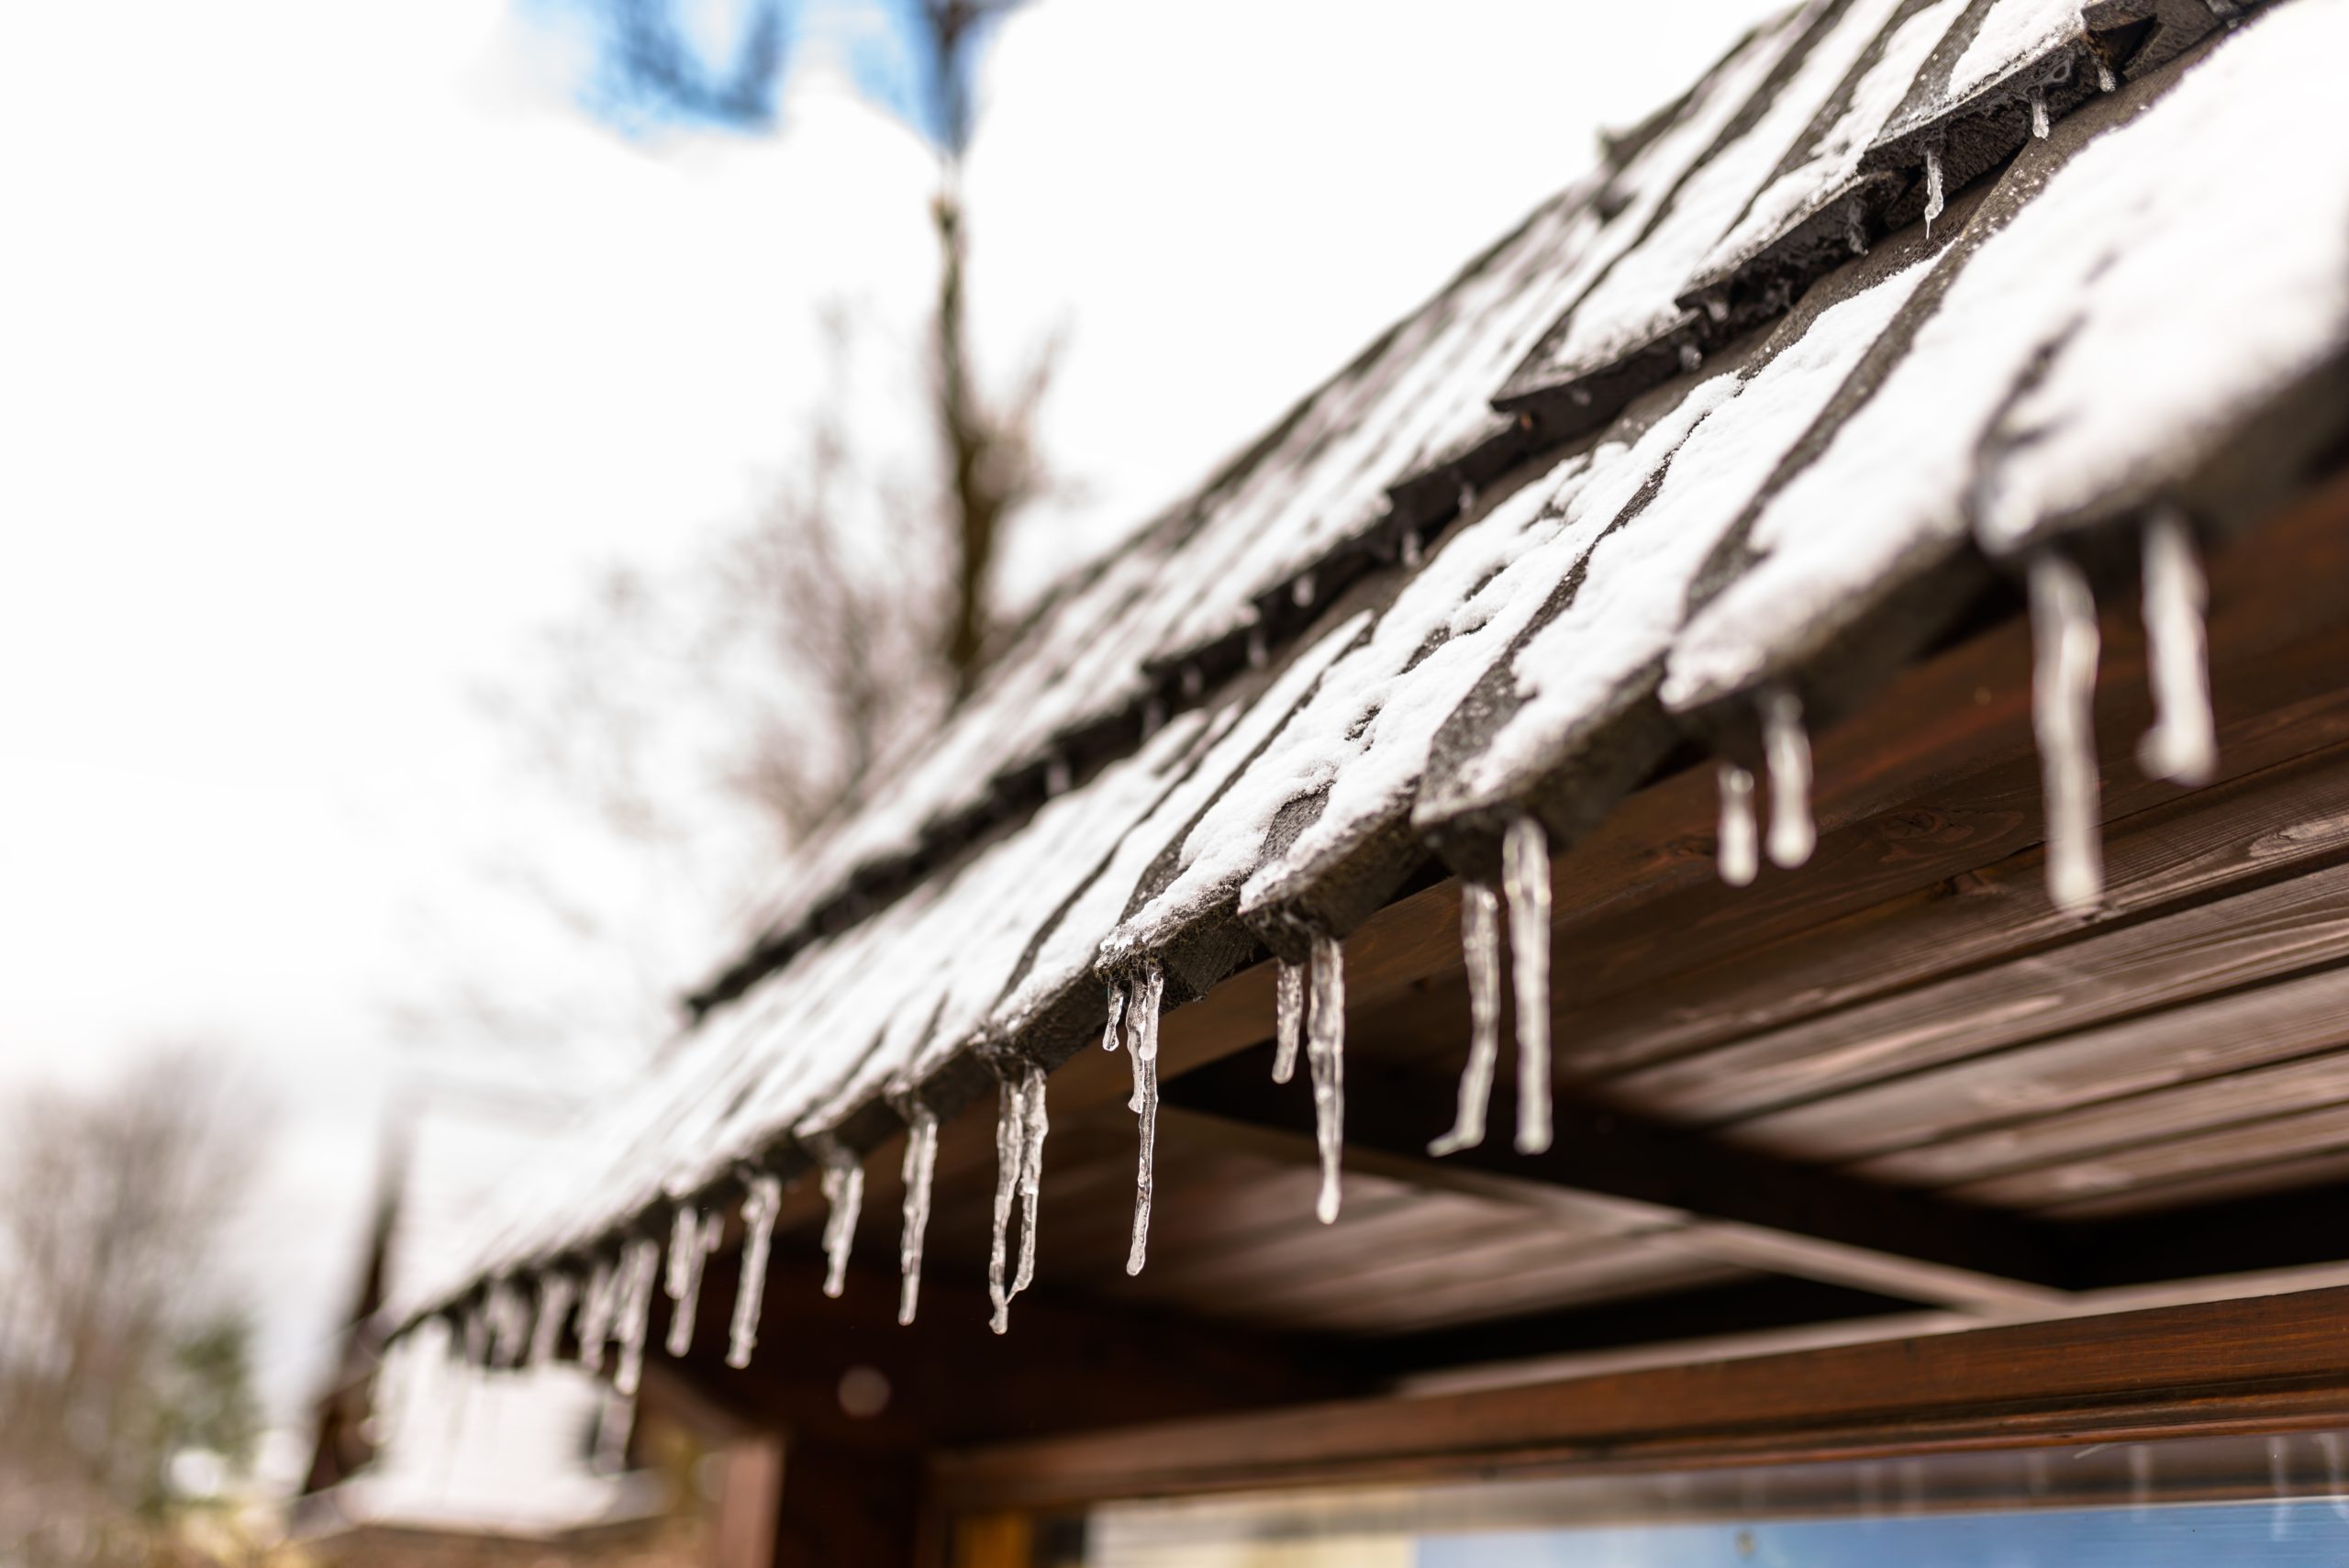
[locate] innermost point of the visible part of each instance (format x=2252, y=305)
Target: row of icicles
x=614, y=1307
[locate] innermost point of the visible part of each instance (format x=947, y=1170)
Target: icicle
x=1466, y=502
x=641, y=1262
x=1581, y=395
x=1480, y=949
x=1301, y=592
x=2224, y=10
x=1195, y=681
x=612, y=1434
x=920, y=1168
x=843, y=1183
x=1717, y=306
x=1786, y=748
x=2182, y=746
x=1856, y=228
x=1691, y=357
x=510, y=1325
x=1414, y=550
x=1325, y=1053
x=1259, y=655
x=2038, y=113
x=1142, y=1045
x=2105, y=81
x=2063, y=640
x=1288, y=1018
x=555, y=1293
x=1056, y=779
x=596, y=1307
x=476, y=1337
x=1011, y=1142
x=691, y=1241
x=1153, y=716
x=1525, y=881
x=1110, y=1030
x=1932, y=187
x=1737, y=853
x=1031, y=1175
x=759, y=1210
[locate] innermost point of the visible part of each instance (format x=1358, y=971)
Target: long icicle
x=2183, y=744
x=691, y=1241
x=1480, y=949
x=1010, y=1143
x=1525, y=881
x=759, y=1211
x=556, y=1292
x=596, y=1304
x=1288, y=1018
x=1737, y=853
x=1325, y=1053
x=2064, y=642
x=1786, y=749
x=643, y=1262
x=1031, y=1175
x=1142, y=1002
x=921, y=1169
x=843, y=1187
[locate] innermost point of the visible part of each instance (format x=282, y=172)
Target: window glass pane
x=2277, y=1499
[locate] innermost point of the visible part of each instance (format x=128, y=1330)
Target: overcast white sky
x=337, y=350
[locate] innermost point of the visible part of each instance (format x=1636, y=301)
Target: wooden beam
x=2269, y=1364
x=1727, y=1202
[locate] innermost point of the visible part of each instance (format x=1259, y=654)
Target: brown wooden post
x=839, y=1505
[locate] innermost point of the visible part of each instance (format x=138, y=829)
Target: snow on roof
x=1703, y=426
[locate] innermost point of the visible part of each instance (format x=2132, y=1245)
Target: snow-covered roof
x=1900, y=289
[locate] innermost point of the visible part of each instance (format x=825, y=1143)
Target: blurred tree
x=116, y=1356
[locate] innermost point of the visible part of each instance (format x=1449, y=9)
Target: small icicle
x=641, y=1263
x=477, y=1335
x=1142, y=1045
x=1301, y=592
x=510, y=1325
x=1031, y=1175
x=1480, y=949
x=843, y=1185
x=1056, y=779
x=1738, y=854
x=2038, y=113
x=1581, y=395
x=2064, y=643
x=1153, y=716
x=1413, y=549
x=597, y=1305
x=2224, y=10
x=1856, y=228
x=1786, y=748
x=1011, y=1142
x=2183, y=744
x=555, y=1293
x=1111, y=1031
x=920, y=1168
x=1932, y=187
x=1195, y=681
x=1325, y=1053
x=1525, y=882
x=759, y=1211
x=2105, y=81
x=1467, y=501
x=1717, y=306
x=1259, y=655
x=1691, y=357
x=1288, y=1018
x=691, y=1241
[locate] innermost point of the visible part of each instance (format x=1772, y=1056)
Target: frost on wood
x=1480, y=952
x=1525, y=883
x=759, y=1211
x=1737, y=850
x=691, y=1241
x=2062, y=694
x=1288, y=1018
x=919, y=1173
x=1786, y=749
x=1145, y=993
x=2183, y=745
x=638, y=1264
x=1325, y=1055
x=1018, y=1182
x=843, y=1183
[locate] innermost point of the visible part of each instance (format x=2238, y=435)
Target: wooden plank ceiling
x=1892, y=1085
